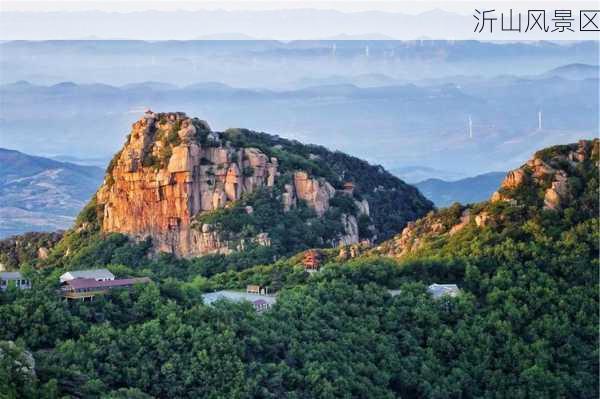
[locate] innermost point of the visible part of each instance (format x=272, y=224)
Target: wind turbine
x=470, y=127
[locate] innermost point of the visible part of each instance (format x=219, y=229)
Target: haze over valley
x=399, y=104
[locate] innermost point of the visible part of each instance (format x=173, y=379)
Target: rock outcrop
x=549, y=170
x=149, y=193
x=174, y=168
x=544, y=182
x=316, y=192
x=416, y=234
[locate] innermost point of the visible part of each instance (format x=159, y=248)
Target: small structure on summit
x=438, y=291
x=312, y=260
x=14, y=278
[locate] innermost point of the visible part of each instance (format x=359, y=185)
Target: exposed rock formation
x=288, y=197
x=513, y=179
x=543, y=182
x=316, y=192
x=465, y=218
x=43, y=253
x=351, y=228
x=549, y=171
x=352, y=251
x=558, y=193
x=148, y=196
x=174, y=168
x=482, y=219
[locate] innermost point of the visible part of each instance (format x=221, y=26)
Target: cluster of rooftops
x=86, y=284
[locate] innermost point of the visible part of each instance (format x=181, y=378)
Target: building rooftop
x=11, y=276
x=86, y=274
x=87, y=283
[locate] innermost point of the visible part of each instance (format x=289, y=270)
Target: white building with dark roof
x=87, y=288
x=14, y=278
x=95, y=274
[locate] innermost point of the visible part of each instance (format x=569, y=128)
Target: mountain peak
x=555, y=179
x=548, y=176
x=194, y=191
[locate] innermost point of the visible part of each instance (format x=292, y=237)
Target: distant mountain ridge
x=414, y=174
x=41, y=194
x=576, y=71
x=410, y=124
x=465, y=191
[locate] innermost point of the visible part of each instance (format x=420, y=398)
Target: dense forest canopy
x=525, y=324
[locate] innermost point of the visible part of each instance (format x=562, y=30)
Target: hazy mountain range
x=466, y=191
x=396, y=126
x=40, y=194
x=575, y=71
x=274, y=64
x=415, y=173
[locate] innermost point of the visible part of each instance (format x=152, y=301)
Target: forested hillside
x=523, y=326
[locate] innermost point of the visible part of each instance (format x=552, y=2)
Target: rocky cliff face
x=549, y=171
x=164, y=176
x=554, y=179
x=174, y=168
